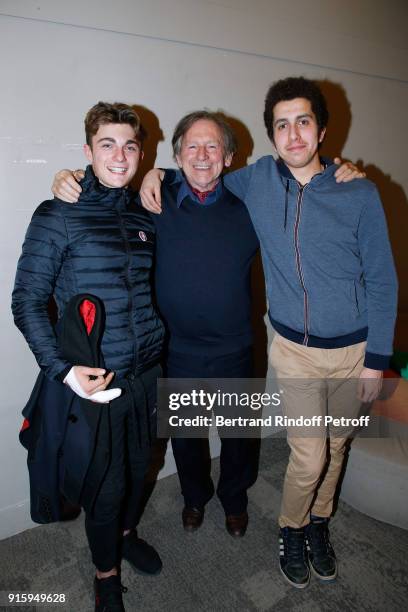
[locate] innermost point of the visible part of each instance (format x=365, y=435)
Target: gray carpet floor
x=209, y=570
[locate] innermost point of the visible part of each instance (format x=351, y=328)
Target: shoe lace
x=295, y=546
x=318, y=534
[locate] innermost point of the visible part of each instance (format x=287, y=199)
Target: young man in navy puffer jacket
x=103, y=247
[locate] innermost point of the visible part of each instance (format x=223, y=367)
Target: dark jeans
x=132, y=423
x=238, y=459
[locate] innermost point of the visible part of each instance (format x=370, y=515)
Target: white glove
x=101, y=397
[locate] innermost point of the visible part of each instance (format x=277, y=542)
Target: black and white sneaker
x=293, y=557
x=322, y=559
x=108, y=594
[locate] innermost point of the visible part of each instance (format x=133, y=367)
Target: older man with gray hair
x=203, y=290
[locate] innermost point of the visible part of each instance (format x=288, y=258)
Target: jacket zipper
x=124, y=234
x=299, y=266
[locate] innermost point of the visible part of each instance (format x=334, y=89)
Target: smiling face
x=296, y=136
x=201, y=156
x=114, y=154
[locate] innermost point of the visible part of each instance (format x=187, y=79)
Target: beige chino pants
x=315, y=382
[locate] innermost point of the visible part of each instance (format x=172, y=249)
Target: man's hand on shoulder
x=150, y=191
x=369, y=385
x=65, y=186
x=347, y=171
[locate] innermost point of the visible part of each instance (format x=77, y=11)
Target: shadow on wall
x=396, y=211
x=392, y=195
x=339, y=107
x=154, y=135
x=244, y=141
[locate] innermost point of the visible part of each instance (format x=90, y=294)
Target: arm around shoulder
x=66, y=185
x=263, y=173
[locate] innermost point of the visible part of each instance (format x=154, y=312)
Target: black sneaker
x=142, y=557
x=293, y=557
x=108, y=594
x=322, y=559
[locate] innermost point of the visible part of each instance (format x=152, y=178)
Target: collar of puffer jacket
x=94, y=191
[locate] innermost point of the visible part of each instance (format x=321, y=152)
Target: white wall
x=173, y=56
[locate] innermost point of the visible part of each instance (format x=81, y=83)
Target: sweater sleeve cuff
x=377, y=362
x=171, y=176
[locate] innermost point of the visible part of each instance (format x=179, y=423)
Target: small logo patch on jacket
x=142, y=236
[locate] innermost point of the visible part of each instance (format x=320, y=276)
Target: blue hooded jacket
x=327, y=259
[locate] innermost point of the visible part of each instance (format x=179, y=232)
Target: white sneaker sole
x=295, y=584
x=331, y=578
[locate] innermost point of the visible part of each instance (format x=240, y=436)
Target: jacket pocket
x=359, y=298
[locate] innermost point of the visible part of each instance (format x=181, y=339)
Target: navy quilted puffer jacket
x=104, y=246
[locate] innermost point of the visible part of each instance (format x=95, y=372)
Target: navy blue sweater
x=203, y=261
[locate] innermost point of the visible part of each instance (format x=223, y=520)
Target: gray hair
x=228, y=136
